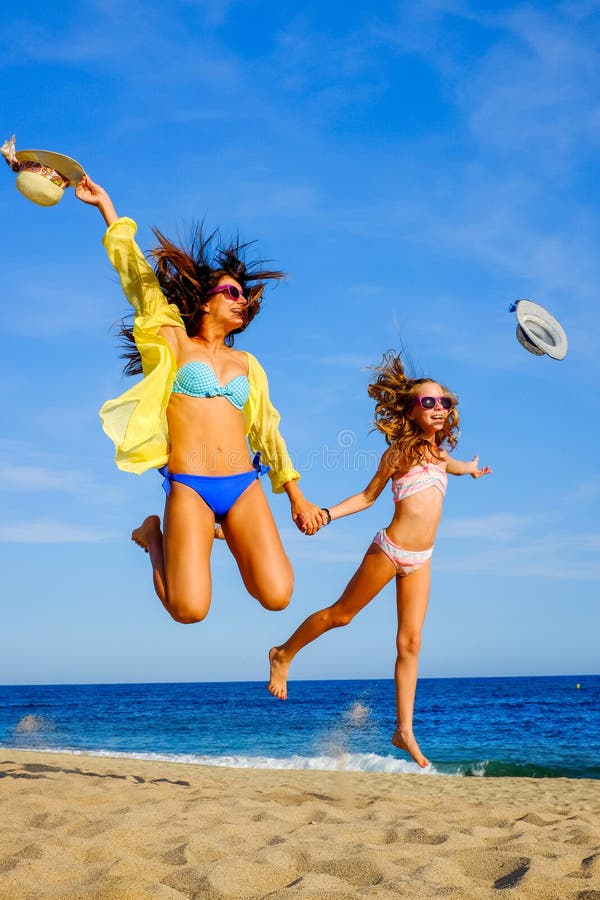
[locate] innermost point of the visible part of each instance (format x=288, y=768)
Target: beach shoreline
x=76, y=825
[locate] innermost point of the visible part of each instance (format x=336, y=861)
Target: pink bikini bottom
x=406, y=561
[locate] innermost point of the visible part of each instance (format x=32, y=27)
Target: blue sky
x=415, y=170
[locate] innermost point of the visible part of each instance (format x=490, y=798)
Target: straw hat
x=42, y=175
x=538, y=331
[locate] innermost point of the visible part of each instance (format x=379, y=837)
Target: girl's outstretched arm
x=456, y=467
x=358, y=502
x=89, y=192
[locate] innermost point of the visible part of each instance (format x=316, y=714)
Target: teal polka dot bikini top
x=196, y=379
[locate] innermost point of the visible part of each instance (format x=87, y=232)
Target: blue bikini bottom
x=219, y=492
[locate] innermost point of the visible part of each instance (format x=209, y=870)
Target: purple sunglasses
x=231, y=290
x=429, y=402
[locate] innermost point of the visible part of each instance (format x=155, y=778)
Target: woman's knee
x=276, y=595
x=409, y=643
x=187, y=610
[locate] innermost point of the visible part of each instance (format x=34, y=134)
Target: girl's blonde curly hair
x=395, y=395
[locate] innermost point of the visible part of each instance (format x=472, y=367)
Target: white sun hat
x=538, y=331
x=525, y=342
x=42, y=175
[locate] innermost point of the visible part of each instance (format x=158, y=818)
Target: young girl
x=418, y=418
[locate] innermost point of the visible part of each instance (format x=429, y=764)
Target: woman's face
x=223, y=307
x=432, y=420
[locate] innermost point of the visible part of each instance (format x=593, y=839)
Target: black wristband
x=328, y=514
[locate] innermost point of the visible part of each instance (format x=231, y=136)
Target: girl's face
x=226, y=308
x=429, y=420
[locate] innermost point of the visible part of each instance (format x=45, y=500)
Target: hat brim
x=541, y=329
x=64, y=165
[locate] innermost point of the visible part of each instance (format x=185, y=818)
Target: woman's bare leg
x=149, y=536
x=253, y=538
x=412, y=595
x=180, y=557
x=374, y=572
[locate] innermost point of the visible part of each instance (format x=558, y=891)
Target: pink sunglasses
x=231, y=290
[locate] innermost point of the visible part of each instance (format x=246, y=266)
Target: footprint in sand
x=190, y=882
x=31, y=851
x=176, y=856
x=591, y=865
x=7, y=864
x=512, y=878
x=502, y=871
x=277, y=839
x=48, y=821
x=360, y=871
x=534, y=819
x=420, y=836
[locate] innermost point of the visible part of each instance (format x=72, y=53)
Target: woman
x=190, y=414
x=419, y=419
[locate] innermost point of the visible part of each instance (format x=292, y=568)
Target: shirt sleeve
x=136, y=421
x=263, y=429
x=140, y=284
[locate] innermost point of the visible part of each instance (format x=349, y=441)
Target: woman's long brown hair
x=187, y=273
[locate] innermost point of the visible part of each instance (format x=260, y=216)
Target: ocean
x=541, y=727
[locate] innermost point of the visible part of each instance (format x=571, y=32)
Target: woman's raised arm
x=89, y=192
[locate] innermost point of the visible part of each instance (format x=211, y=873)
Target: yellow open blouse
x=137, y=421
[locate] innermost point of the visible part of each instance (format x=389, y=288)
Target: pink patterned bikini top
x=418, y=479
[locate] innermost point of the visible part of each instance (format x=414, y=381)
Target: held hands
x=308, y=517
x=474, y=471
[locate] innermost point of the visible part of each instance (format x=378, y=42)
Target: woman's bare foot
x=404, y=740
x=147, y=532
x=278, y=675
x=219, y=535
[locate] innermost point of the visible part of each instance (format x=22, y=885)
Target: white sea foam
x=344, y=762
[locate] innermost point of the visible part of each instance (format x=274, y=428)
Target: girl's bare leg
x=412, y=595
x=180, y=557
x=374, y=572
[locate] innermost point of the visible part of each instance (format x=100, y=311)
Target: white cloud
x=574, y=557
x=497, y=527
x=334, y=546
x=55, y=309
x=528, y=118
x=536, y=87
x=584, y=493
x=27, y=469
x=499, y=545
x=36, y=478
x=50, y=531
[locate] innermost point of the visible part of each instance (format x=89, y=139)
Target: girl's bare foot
x=147, y=532
x=404, y=740
x=278, y=675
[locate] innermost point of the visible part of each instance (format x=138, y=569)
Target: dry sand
x=82, y=826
